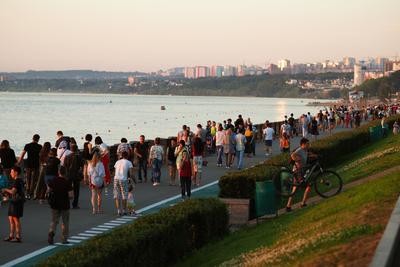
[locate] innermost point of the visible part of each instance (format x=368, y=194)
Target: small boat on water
x=162, y=107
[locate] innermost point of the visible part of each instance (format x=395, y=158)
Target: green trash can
x=265, y=199
x=375, y=133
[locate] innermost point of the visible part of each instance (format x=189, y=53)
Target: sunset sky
x=148, y=35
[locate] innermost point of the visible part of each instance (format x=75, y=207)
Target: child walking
x=130, y=201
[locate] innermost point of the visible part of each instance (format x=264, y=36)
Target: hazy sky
x=147, y=35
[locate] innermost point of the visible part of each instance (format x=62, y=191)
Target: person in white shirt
x=240, y=141
x=285, y=128
x=155, y=160
x=96, y=175
x=62, y=152
x=219, y=139
x=122, y=169
x=268, y=134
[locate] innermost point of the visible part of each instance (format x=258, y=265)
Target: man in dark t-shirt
x=62, y=193
x=142, y=153
x=31, y=164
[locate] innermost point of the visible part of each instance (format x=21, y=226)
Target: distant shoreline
x=166, y=95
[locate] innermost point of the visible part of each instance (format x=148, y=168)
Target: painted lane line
x=204, y=186
x=173, y=198
x=100, y=229
x=120, y=222
x=106, y=226
x=74, y=241
x=79, y=237
x=128, y=217
x=89, y=235
x=124, y=219
x=112, y=224
x=61, y=244
x=93, y=232
x=28, y=256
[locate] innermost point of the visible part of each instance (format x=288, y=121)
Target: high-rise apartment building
x=241, y=70
x=380, y=63
x=190, y=73
x=359, y=71
x=349, y=62
x=202, y=72
x=216, y=71
x=284, y=64
x=229, y=71
x=273, y=69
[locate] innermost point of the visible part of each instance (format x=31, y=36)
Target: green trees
x=381, y=87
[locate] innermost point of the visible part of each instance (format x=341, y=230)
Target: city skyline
x=152, y=35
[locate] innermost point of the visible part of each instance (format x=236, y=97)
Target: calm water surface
x=116, y=116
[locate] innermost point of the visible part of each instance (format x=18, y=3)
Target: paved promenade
x=35, y=222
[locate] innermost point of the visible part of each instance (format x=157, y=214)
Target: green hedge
x=330, y=150
x=159, y=239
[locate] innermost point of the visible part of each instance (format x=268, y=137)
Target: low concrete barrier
x=387, y=254
x=238, y=210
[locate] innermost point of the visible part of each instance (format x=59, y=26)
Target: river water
x=115, y=116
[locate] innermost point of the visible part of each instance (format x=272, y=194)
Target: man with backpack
x=60, y=138
x=74, y=168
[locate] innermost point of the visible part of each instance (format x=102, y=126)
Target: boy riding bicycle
x=300, y=156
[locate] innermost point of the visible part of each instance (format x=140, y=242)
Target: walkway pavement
x=83, y=224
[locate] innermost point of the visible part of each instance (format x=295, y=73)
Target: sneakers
x=13, y=240
x=288, y=209
x=8, y=239
x=50, y=238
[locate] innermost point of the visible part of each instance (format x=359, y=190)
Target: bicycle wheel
x=328, y=184
x=284, y=183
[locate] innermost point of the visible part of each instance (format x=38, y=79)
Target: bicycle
x=327, y=183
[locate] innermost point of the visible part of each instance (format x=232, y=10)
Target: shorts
x=120, y=189
x=197, y=163
x=268, y=142
x=299, y=176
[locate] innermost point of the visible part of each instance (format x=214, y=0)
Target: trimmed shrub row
x=330, y=150
x=159, y=239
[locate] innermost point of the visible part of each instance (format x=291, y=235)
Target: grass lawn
x=343, y=229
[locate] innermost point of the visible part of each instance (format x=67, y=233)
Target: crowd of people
x=54, y=174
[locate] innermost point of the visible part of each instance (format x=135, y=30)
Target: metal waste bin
x=265, y=199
